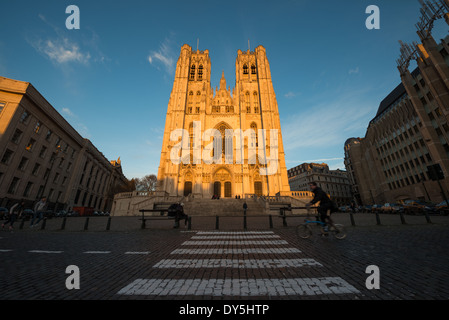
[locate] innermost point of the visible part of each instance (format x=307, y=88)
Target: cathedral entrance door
x=217, y=188
x=228, y=189
x=258, y=188
x=187, y=188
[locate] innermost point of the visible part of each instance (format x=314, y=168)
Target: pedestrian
x=15, y=211
x=39, y=210
x=180, y=215
x=245, y=207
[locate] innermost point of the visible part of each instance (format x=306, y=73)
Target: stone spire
x=222, y=82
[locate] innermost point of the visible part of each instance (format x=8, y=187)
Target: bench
x=161, y=217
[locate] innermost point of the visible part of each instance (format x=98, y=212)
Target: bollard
x=217, y=223
x=86, y=224
x=245, y=227
x=427, y=217
x=402, y=218
x=108, y=226
x=270, y=219
x=284, y=221
x=378, y=219
x=21, y=224
x=64, y=220
x=44, y=223
x=189, y=223
x=352, y=219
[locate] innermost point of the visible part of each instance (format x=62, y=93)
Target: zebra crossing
x=227, y=251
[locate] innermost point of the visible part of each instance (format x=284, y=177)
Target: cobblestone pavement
x=208, y=264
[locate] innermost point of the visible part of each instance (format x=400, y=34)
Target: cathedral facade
x=241, y=164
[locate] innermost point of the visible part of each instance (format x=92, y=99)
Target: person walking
x=15, y=211
x=39, y=210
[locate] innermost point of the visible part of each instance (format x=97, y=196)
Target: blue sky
x=329, y=72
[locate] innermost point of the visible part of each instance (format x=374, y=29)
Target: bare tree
x=147, y=183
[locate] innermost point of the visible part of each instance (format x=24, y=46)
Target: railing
x=125, y=195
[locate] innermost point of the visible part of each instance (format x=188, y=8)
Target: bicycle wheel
x=340, y=232
x=303, y=231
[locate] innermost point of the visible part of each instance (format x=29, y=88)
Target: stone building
x=250, y=105
x=41, y=154
x=334, y=182
x=410, y=131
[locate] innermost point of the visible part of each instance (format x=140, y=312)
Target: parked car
x=3, y=213
x=417, y=206
x=107, y=214
x=392, y=208
x=367, y=208
x=376, y=208
x=61, y=213
x=442, y=208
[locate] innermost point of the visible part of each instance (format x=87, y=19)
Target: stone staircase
x=224, y=207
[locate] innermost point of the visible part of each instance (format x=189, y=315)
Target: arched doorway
x=258, y=188
x=228, y=189
x=217, y=188
x=187, y=188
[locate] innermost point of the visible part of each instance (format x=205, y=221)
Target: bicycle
x=304, y=230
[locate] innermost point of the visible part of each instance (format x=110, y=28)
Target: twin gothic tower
x=196, y=108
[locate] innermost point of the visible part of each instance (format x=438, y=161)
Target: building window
x=7, y=156
x=47, y=173
x=245, y=69
x=2, y=106
x=37, y=128
x=36, y=169
x=27, y=191
x=48, y=136
x=192, y=72
x=69, y=166
x=73, y=154
x=30, y=145
x=64, y=180
x=253, y=69
x=13, y=186
x=197, y=110
x=200, y=72
x=25, y=116
x=56, y=178
x=50, y=194
x=58, y=142
x=43, y=152
x=40, y=191
x=16, y=136
x=23, y=164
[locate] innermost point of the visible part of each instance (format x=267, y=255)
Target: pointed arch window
x=254, y=136
x=253, y=69
x=200, y=72
x=189, y=107
x=192, y=72
x=256, y=102
x=247, y=100
x=245, y=69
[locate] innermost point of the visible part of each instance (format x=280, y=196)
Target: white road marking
x=235, y=243
x=5, y=250
x=144, y=252
x=237, y=251
x=239, y=287
x=234, y=233
x=240, y=237
x=236, y=263
x=97, y=252
x=44, y=251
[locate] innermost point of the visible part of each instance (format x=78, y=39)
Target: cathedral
x=195, y=107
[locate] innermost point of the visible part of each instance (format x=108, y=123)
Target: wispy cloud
x=354, y=71
x=315, y=160
x=164, y=56
x=291, y=94
x=67, y=112
x=326, y=125
x=62, y=51
x=75, y=122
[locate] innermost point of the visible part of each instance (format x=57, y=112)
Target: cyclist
x=326, y=206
